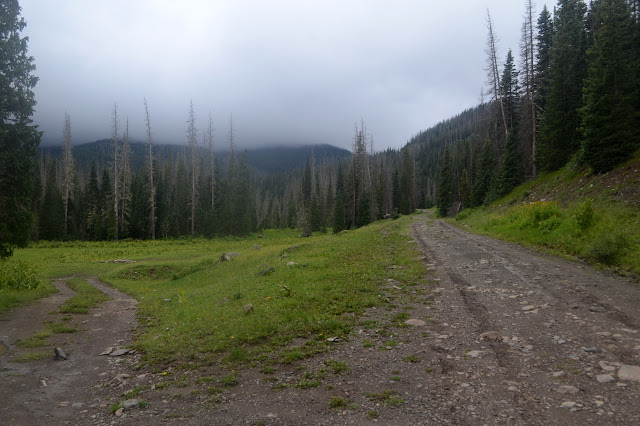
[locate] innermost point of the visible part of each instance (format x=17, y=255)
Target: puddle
x=3, y=349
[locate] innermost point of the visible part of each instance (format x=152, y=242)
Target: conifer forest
x=569, y=92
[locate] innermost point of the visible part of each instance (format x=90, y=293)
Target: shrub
x=17, y=275
x=607, y=247
x=583, y=214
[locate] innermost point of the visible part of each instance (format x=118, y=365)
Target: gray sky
x=290, y=71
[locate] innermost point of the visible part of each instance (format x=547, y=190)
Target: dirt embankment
x=504, y=336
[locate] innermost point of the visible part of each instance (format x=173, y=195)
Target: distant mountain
x=265, y=161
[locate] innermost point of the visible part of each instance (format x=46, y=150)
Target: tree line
x=575, y=95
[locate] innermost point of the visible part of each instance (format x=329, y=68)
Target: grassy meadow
x=195, y=309
x=572, y=213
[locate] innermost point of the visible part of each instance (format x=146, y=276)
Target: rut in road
x=562, y=324
x=58, y=391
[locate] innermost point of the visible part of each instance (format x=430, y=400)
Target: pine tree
x=544, y=40
x=485, y=171
x=611, y=123
x=511, y=174
x=445, y=183
x=339, y=210
x=19, y=139
x=52, y=220
x=560, y=136
x=465, y=190
x=510, y=91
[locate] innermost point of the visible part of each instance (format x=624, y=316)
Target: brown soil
x=556, y=324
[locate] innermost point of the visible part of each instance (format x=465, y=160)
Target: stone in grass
x=59, y=354
x=629, y=372
x=247, y=309
x=130, y=403
x=265, y=272
x=119, y=412
x=415, y=322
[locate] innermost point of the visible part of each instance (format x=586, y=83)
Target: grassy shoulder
x=571, y=213
x=278, y=298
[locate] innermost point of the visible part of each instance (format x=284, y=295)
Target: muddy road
x=498, y=335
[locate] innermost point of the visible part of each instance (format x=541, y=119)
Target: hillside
x=571, y=212
x=264, y=160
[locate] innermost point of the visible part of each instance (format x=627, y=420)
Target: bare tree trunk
x=116, y=154
x=125, y=177
x=212, y=163
x=152, y=188
x=532, y=85
x=191, y=136
x=494, y=73
x=68, y=168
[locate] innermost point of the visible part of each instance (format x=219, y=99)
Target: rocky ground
x=498, y=335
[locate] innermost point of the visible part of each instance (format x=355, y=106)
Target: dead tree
x=191, y=138
x=116, y=155
x=494, y=73
x=152, y=188
x=67, y=164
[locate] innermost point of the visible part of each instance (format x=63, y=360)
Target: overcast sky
x=290, y=71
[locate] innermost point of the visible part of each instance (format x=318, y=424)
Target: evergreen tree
x=484, y=173
x=610, y=121
x=364, y=209
x=511, y=174
x=465, y=190
x=19, y=139
x=510, y=91
x=559, y=134
x=445, y=183
x=544, y=40
x=339, y=210
x=51, y=223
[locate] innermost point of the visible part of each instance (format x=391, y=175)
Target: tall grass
x=596, y=227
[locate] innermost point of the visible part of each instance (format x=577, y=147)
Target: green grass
x=36, y=340
x=87, y=297
x=388, y=397
x=33, y=356
x=58, y=327
x=191, y=306
x=571, y=213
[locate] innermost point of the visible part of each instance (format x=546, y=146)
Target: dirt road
x=499, y=335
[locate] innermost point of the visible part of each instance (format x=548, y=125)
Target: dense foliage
x=18, y=138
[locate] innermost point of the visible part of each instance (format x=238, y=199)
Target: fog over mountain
x=290, y=72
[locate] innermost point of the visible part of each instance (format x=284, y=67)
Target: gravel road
x=498, y=334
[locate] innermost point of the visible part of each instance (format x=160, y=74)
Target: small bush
x=17, y=275
x=583, y=214
x=607, y=247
